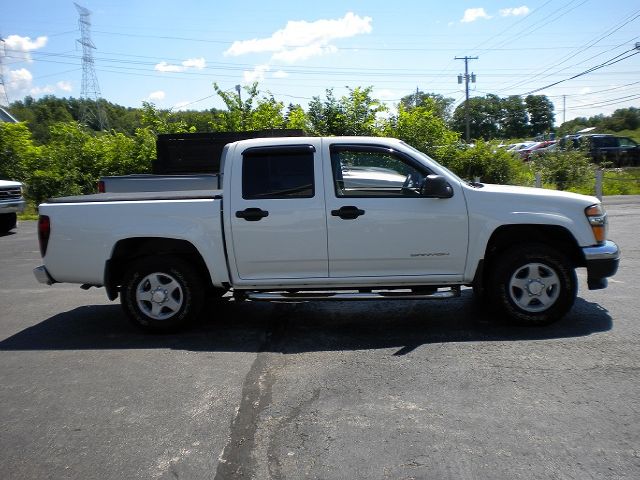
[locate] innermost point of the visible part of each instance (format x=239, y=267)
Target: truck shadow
x=305, y=327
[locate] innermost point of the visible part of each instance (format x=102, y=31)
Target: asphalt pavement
x=398, y=390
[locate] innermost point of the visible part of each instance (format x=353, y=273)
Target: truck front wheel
x=161, y=293
x=7, y=222
x=532, y=284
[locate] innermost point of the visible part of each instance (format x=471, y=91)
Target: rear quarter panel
x=83, y=235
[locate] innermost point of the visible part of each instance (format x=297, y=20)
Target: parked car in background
x=605, y=148
x=515, y=147
x=525, y=153
x=11, y=203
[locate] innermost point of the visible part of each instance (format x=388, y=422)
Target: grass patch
x=30, y=212
x=618, y=181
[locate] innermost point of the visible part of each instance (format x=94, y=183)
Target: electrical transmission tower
x=90, y=109
x=3, y=86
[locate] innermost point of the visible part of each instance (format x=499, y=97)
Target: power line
x=597, y=67
x=606, y=103
x=607, y=33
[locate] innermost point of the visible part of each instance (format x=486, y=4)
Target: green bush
x=17, y=151
x=568, y=169
x=487, y=162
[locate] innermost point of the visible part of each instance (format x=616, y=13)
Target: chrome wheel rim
x=159, y=296
x=534, y=287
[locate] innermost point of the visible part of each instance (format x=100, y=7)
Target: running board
x=351, y=295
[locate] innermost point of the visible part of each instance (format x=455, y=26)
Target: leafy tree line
x=492, y=117
x=622, y=119
x=68, y=158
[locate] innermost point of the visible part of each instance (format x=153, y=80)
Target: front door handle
x=347, y=213
x=252, y=214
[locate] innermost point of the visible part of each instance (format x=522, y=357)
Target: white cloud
x=197, y=63
x=280, y=74
x=20, y=79
x=473, y=14
x=514, y=11
x=46, y=90
x=257, y=74
x=64, y=86
x=19, y=47
x=300, y=40
x=20, y=82
x=303, y=53
x=157, y=95
x=166, y=67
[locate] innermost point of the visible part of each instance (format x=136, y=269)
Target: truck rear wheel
x=532, y=284
x=161, y=293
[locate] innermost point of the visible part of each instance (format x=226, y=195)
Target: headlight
x=598, y=220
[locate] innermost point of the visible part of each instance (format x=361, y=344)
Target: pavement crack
x=237, y=458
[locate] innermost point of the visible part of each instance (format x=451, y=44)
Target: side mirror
x=435, y=186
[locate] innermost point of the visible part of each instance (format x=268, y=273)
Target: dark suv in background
x=604, y=148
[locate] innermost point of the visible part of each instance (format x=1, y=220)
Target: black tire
x=161, y=294
x=8, y=221
x=532, y=284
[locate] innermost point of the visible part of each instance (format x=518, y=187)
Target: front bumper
x=602, y=261
x=43, y=276
x=12, y=206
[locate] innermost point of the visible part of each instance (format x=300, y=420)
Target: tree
x=296, y=118
x=325, y=116
x=485, y=116
x=422, y=128
x=434, y=101
x=254, y=113
x=17, y=151
x=40, y=114
x=354, y=114
x=541, y=116
x=515, y=119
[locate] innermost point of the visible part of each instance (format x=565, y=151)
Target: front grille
x=10, y=193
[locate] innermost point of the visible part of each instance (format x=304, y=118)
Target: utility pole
x=3, y=85
x=564, y=108
x=467, y=77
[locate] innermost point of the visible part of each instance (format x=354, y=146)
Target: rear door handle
x=347, y=213
x=252, y=214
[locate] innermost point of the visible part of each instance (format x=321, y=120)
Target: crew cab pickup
x=334, y=218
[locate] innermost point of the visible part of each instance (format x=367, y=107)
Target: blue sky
x=170, y=53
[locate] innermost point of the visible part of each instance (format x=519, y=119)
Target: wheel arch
x=128, y=250
x=507, y=236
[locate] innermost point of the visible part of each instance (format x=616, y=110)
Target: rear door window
x=285, y=172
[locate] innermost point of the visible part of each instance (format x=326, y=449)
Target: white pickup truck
x=335, y=218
